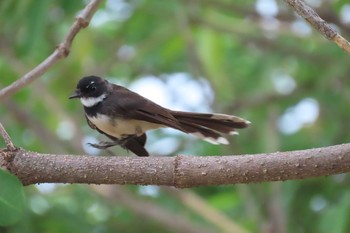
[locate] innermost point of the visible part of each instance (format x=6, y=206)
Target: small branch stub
x=6, y=155
x=7, y=139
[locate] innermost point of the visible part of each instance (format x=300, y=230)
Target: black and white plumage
x=125, y=116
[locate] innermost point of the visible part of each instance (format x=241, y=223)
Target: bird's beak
x=76, y=94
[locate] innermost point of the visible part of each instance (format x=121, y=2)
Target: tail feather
x=223, y=124
x=209, y=126
x=203, y=133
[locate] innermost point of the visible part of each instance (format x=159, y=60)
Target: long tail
x=209, y=126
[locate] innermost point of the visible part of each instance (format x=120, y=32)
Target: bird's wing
x=134, y=144
x=130, y=105
x=92, y=126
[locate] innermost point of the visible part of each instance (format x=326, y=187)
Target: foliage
x=11, y=198
x=270, y=68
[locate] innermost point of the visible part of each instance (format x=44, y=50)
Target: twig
x=318, y=23
x=7, y=138
x=180, y=171
x=62, y=51
x=342, y=43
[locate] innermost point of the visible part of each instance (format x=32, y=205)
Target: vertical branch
x=276, y=219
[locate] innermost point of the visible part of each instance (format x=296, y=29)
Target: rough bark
x=179, y=171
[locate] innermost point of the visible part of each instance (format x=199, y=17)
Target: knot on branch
x=82, y=22
x=8, y=155
x=177, y=172
x=63, y=49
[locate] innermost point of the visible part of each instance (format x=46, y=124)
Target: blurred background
x=254, y=59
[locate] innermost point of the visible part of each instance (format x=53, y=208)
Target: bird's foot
x=104, y=145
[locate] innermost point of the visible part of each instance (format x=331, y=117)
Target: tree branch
x=305, y=11
x=179, y=171
x=62, y=51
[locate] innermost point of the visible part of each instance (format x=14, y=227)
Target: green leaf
x=11, y=198
x=336, y=218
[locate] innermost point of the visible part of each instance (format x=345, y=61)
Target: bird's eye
x=91, y=87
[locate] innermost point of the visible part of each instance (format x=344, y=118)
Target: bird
x=125, y=116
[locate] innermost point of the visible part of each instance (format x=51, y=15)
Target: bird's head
x=91, y=90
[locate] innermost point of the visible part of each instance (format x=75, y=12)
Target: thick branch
x=62, y=51
x=318, y=23
x=179, y=171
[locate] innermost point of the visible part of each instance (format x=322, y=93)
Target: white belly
x=119, y=127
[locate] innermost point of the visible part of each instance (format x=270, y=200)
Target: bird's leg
x=124, y=143
x=105, y=145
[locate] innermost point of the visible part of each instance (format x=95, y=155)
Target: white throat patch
x=91, y=101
